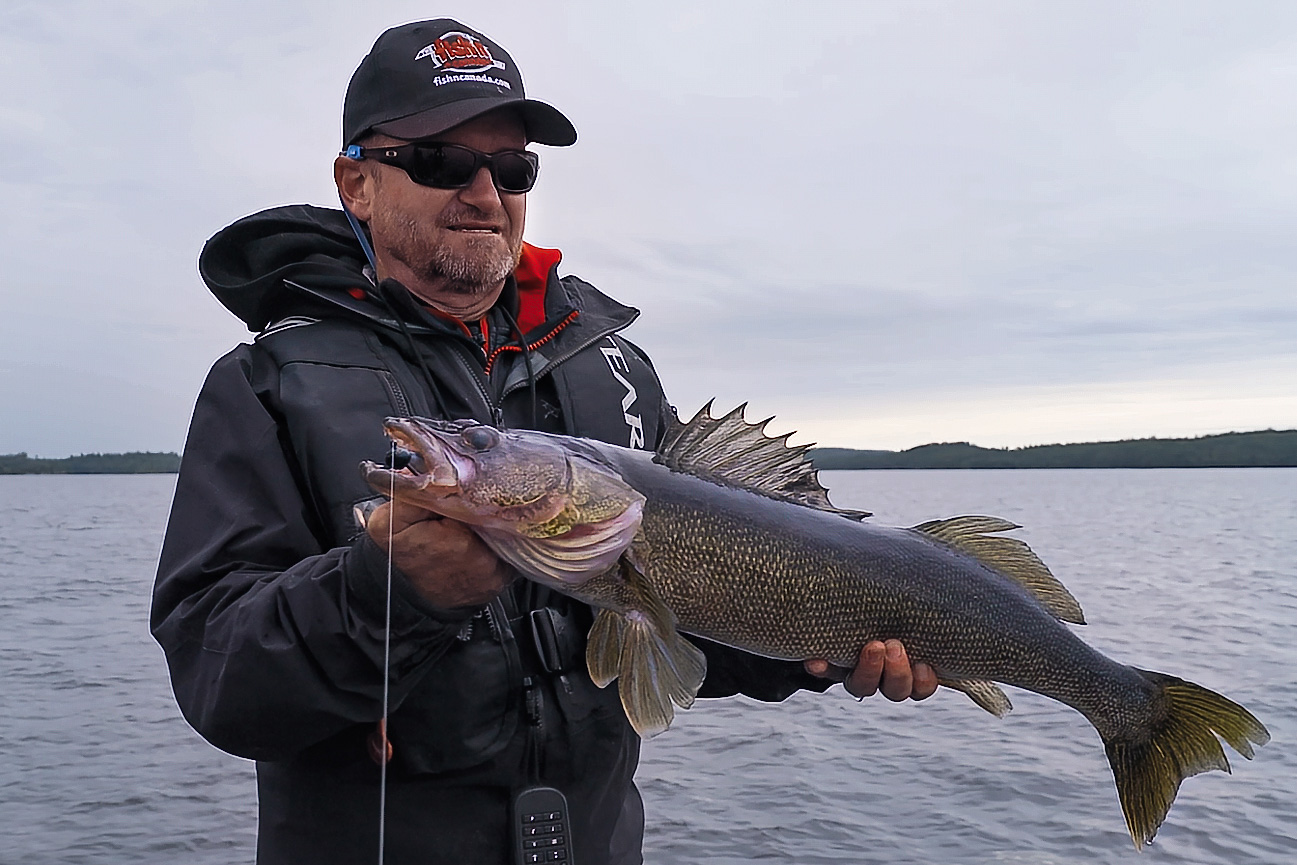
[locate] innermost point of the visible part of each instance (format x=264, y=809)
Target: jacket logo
x=459, y=52
x=616, y=361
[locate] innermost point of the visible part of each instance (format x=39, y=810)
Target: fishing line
x=387, y=661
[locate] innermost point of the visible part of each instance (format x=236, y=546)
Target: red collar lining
x=532, y=275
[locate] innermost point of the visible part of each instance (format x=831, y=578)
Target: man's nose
x=481, y=193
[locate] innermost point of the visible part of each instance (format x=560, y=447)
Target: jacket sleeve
x=274, y=642
x=732, y=671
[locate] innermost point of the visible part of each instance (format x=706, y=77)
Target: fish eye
x=480, y=438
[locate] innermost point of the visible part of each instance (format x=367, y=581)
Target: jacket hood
x=247, y=263
x=305, y=260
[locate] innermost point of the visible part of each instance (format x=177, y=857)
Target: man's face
x=451, y=247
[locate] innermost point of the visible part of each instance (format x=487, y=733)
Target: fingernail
x=893, y=651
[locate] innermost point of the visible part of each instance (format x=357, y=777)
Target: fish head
x=519, y=482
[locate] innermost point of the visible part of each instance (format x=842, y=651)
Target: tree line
x=1264, y=448
x=135, y=462
x=1268, y=448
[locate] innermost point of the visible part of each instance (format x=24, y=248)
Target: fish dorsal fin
x=1008, y=556
x=730, y=451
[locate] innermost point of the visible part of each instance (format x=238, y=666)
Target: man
x=271, y=592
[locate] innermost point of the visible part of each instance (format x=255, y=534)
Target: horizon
x=813, y=446
x=1008, y=223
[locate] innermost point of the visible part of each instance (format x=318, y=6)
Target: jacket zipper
x=531, y=346
x=497, y=414
x=570, y=353
x=398, y=395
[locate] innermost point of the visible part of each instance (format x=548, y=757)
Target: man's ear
x=355, y=186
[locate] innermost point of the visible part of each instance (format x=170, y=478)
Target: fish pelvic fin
x=658, y=669
x=1008, y=556
x=984, y=693
x=730, y=451
x=1181, y=743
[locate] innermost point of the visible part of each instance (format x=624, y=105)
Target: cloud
x=1012, y=205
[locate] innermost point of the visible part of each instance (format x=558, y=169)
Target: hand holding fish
x=881, y=667
x=443, y=559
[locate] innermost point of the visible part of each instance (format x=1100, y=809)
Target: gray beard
x=470, y=274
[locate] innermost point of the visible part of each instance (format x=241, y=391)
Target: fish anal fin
x=983, y=692
x=1008, y=556
x=730, y=451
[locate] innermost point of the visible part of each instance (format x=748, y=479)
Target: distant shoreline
x=133, y=463
x=1260, y=449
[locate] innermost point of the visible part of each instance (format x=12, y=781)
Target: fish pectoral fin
x=656, y=670
x=1008, y=556
x=603, y=647
x=983, y=692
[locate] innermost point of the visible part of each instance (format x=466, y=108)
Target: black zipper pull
x=534, y=700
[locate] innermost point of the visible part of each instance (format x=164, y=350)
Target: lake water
x=1192, y=572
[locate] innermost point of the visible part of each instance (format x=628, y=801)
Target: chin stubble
x=472, y=271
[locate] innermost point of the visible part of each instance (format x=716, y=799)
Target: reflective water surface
x=1193, y=572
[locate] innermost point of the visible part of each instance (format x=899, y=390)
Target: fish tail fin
x=1181, y=742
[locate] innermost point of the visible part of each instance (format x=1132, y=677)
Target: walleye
x=727, y=534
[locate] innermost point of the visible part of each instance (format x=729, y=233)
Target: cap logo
x=459, y=52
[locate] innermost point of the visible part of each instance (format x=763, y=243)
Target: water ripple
x=1194, y=572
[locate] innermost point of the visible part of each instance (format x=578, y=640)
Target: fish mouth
x=434, y=468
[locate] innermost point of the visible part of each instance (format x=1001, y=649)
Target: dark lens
x=515, y=171
x=442, y=165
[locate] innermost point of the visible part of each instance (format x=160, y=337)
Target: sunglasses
x=453, y=166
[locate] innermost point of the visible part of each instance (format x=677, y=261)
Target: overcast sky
x=886, y=223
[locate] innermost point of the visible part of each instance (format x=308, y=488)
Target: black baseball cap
x=423, y=78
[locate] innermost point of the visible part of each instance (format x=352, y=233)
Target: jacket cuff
x=733, y=671
x=367, y=579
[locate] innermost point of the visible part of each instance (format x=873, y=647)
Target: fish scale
x=734, y=569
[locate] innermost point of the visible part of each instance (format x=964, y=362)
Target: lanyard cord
x=526, y=359
x=387, y=666
x=359, y=231
x=413, y=347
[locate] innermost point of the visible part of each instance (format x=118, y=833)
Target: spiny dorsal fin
x=728, y=450
x=1008, y=556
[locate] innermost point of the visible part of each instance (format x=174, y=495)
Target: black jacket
x=270, y=600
